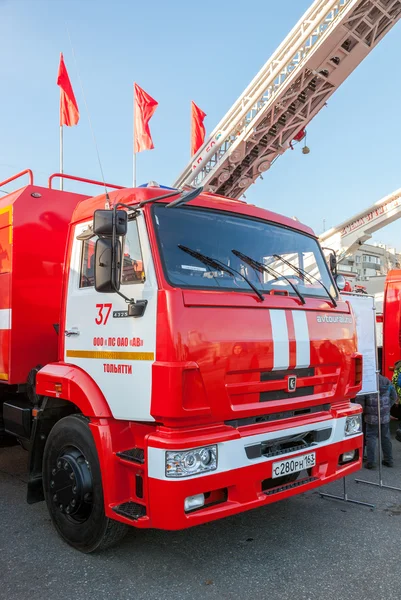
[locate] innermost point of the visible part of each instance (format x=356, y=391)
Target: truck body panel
x=33, y=236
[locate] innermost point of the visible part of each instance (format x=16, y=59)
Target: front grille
x=289, y=486
x=287, y=414
x=285, y=395
x=273, y=376
x=288, y=444
x=254, y=387
x=277, y=375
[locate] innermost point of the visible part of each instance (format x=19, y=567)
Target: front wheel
x=73, y=487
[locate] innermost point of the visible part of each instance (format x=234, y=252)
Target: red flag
x=69, y=113
x=197, y=128
x=145, y=107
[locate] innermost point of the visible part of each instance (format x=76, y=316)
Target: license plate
x=293, y=465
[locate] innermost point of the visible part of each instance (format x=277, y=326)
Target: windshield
x=216, y=234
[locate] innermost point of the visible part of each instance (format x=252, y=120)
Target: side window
x=87, y=273
x=133, y=271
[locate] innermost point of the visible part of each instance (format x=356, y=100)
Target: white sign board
x=365, y=316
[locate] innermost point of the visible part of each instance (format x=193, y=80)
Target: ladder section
x=325, y=46
x=347, y=236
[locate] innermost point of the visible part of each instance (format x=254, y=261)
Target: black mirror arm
x=134, y=212
x=113, y=258
x=137, y=309
x=130, y=301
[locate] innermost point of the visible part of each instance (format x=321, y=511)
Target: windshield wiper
x=258, y=266
x=307, y=276
x=215, y=263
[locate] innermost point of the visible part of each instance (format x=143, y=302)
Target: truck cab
x=206, y=365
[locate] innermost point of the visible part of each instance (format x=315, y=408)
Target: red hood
x=224, y=356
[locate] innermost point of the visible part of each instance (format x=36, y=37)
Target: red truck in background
x=390, y=320
x=168, y=358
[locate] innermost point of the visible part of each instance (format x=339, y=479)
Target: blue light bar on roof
x=163, y=187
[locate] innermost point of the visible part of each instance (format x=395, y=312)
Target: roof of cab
x=133, y=196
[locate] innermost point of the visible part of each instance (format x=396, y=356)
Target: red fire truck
x=168, y=359
x=390, y=318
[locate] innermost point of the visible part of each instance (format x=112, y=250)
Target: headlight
x=353, y=425
x=184, y=463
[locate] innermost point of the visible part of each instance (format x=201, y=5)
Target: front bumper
x=240, y=483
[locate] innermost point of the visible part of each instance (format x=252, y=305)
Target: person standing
x=396, y=381
x=388, y=397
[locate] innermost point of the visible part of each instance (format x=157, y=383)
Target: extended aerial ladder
x=321, y=51
x=349, y=235
x=346, y=237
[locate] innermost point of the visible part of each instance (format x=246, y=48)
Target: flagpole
x=133, y=147
x=61, y=156
x=61, y=149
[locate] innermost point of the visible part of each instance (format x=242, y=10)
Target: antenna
x=89, y=118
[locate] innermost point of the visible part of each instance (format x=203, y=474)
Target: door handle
x=70, y=332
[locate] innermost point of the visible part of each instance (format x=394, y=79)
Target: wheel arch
x=65, y=389
x=77, y=387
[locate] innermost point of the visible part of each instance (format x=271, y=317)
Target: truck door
x=117, y=351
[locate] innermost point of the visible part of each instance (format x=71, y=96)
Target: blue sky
x=180, y=51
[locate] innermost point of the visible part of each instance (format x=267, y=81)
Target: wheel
x=73, y=487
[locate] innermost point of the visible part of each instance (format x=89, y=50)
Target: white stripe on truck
x=281, y=344
x=302, y=339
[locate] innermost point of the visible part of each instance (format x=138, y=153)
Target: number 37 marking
x=102, y=318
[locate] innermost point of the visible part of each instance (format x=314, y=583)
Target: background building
x=370, y=260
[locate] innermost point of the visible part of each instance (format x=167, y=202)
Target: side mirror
x=340, y=282
x=105, y=279
x=103, y=222
x=333, y=263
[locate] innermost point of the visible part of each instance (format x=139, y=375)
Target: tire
x=73, y=490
